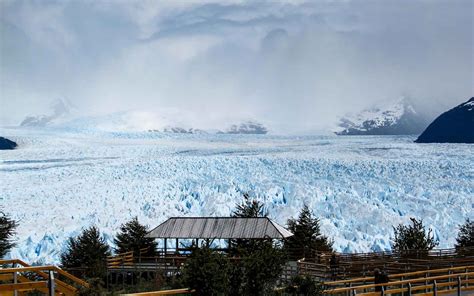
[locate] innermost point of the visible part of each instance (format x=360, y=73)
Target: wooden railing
x=20, y=279
x=401, y=276
x=119, y=260
x=454, y=280
x=183, y=291
x=363, y=264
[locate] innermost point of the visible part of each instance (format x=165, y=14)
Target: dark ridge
x=453, y=126
x=6, y=144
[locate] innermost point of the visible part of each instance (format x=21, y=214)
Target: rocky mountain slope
x=453, y=126
x=398, y=118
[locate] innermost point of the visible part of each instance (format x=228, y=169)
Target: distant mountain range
x=249, y=127
x=244, y=128
x=397, y=118
x=453, y=126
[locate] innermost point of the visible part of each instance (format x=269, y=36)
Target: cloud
x=296, y=66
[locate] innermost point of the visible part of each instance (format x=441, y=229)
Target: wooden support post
x=51, y=287
x=165, y=246
x=177, y=246
x=435, y=288
x=459, y=286
x=15, y=280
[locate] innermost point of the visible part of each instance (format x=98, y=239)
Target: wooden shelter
x=211, y=228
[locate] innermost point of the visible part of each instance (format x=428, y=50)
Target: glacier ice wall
x=56, y=183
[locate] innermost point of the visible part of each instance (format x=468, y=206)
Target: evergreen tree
x=465, y=237
x=413, y=237
x=262, y=268
x=132, y=237
x=261, y=261
x=87, y=252
x=249, y=208
x=307, y=236
x=7, y=230
x=206, y=271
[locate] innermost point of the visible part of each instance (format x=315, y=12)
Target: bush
x=206, y=271
x=304, y=286
x=306, y=237
x=87, y=252
x=132, y=237
x=413, y=237
x=7, y=230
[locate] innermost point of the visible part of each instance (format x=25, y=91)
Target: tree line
x=210, y=272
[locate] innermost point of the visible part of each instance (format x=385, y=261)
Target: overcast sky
x=298, y=64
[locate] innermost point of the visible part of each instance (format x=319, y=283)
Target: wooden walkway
x=362, y=265
x=427, y=282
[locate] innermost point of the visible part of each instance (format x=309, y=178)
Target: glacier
x=59, y=181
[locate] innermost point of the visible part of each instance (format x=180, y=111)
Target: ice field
x=58, y=182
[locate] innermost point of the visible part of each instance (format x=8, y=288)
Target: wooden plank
x=8, y=261
x=399, y=275
x=417, y=280
x=6, y=277
x=60, y=286
x=163, y=292
x=39, y=269
x=28, y=286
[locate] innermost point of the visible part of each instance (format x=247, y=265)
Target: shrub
x=304, y=286
x=206, y=271
x=262, y=267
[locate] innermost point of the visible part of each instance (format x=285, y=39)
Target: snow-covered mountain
x=396, y=118
x=60, y=110
x=248, y=127
x=169, y=121
x=453, y=126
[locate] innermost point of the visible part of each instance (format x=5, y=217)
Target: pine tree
x=132, y=237
x=87, y=252
x=413, y=237
x=7, y=230
x=465, y=237
x=249, y=208
x=307, y=236
x=261, y=261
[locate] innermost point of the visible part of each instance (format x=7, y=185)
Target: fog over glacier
x=293, y=65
